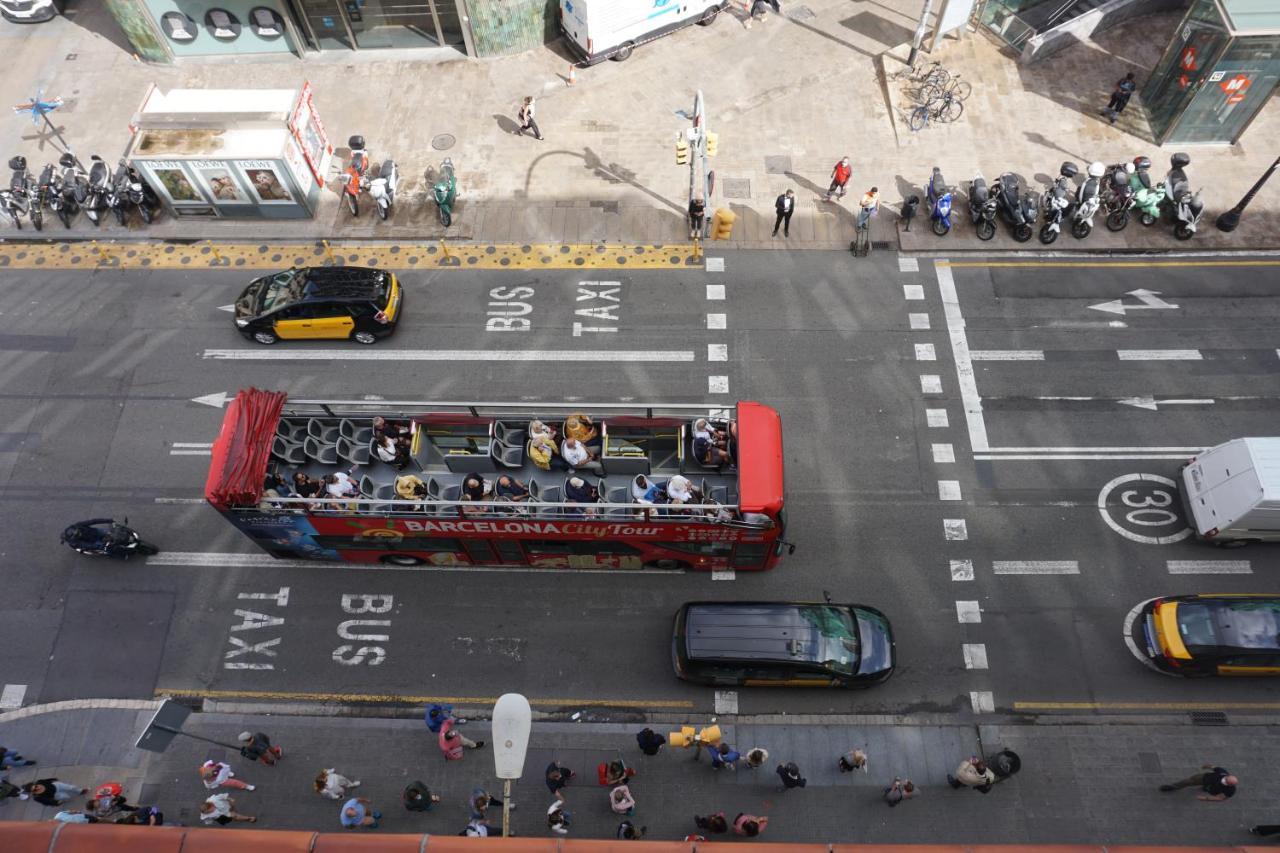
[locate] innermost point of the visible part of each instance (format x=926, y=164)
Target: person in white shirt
x=679, y=489
x=332, y=784
x=579, y=456
x=340, y=485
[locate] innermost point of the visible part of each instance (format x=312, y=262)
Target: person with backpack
x=437, y=714
x=452, y=742
x=1120, y=97
x=649, y=740
x=789, y=773
x=417, y=797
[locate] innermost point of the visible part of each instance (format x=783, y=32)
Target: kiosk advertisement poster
x=298, y=165
x=220, y=181
x=266, y=179
x=173, y=181
x=307, y=129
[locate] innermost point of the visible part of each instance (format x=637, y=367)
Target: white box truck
x=1232, y=492
x=611, y=29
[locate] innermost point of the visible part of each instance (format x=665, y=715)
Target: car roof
x=763, y=631
x=339, y=284
x=1251, y=622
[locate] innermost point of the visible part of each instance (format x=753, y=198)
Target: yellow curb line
x=1134, y=264
x=415, y=700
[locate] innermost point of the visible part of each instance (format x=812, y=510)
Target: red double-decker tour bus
x=460, y=484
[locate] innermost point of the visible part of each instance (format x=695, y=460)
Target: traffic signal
x=722, y=224
x=713, y=140
x=682, y=149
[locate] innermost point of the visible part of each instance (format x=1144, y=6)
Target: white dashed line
x=717, y=321
x=983, y=701
x=718, y=384
x=944, y=454
x=1006, y=355
x=960, y=354
x=962, y=570
x=975, y=655
x=967, y=612
x=1209, y=567
x=1159, y=354
x=723, y=575
x=937, y=418
x=908, y=264
x=715, y=265
x=11, y=697
x=949, y=490
x=726, y=702
x=187, y=448
x=930, y=384
x=1036, y=567
x=919, y=322
x=715, y=292
x=913, y=292
x=955, y=529
x=717, y=352
x=925, y=352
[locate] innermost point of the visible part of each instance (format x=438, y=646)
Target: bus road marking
x=447, y=355
x=961, y=570
x=1159, y=354
x=955, y=528
x=717, y=352
x=1036, y=567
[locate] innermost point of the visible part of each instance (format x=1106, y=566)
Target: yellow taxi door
x=294, y=323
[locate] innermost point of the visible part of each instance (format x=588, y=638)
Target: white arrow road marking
x=227, y=308
x=217, y=400
x=1149, y=299
x=1151, y=402
x=445, y=355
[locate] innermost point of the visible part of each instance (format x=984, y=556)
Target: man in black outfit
x=1217, y=783
x=785, y=206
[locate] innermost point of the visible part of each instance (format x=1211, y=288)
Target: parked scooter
x=16, y=201
x=982, y=208
x=1117, y=197
x=48, y=192
x=1055, y=203
x=382, y=189
x=938, y=195
x=137, y=193
x=1186, y=207
x=354, y=176
x=1018, y=211
x=1146, y=195
x=105, y=537
x=73, y=186
x=118, y=195
x=444, y=191
x=94, y=199
x=1088, y=200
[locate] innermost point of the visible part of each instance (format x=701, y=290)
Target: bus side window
x=749, y=555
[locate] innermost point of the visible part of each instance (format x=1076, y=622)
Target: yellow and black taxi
x=781, y=644
x=1196, y=635
x=357, y=303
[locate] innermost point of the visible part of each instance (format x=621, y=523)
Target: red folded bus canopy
x=760, y=459
x=243, y=448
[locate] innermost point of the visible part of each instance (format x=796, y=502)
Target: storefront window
x=1200, y=38
x=1232, y=93
x=374, y=24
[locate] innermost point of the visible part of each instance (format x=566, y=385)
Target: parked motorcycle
x=1184, y=205
x=48, y=192
x=1088, y=200
x=982, y=208
x=105, y=537
x=1055, y=202
x=118, y=195
x=137, y=192
x=938, y=195
x=382, y=189
x=1018, y=211
x=444, y=191
x=354, y=176
x=92, y=194
x=1117, y=197
x=19, y=199
x=74, y=186
x=1146, y=195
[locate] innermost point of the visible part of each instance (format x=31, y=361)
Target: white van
x=1232, y=492
x=611, y=29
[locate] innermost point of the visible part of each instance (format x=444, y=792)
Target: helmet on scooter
x=1142, y=163
x=1097, y=169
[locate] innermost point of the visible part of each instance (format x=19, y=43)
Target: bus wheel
x=624, y=52
x=402, y=560
x=666, y=563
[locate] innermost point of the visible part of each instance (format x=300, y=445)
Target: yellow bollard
x=444, y=249
x=682, y=739
x=217, y=256
x=722, y=224
x=103, y=256
x=697, y=247
x=328, y=251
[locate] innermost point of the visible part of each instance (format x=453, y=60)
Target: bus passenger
x=473, y=487
x=511, y=489
x=577, y=491
x=391, y=451
x=710, y=446
x=578, y=455
x=469, y=507
x=680, y=490
x=579, y=426
x=391, y=429
x=340, y=485
x=538, y=428
x=645, y=492
x=410, y=487
x=542, y=450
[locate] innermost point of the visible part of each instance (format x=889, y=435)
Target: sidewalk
x=787, y=97
x=1083, y=780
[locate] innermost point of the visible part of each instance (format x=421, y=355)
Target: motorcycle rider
x=91, y=535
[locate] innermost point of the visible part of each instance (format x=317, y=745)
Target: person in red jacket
x=451, y=741
x=839, y=177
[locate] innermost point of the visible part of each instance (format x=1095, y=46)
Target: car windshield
x=1250, y=624
x=1196, y=624
x=837, y=635
x=281, y=289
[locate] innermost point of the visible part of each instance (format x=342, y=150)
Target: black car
x=357, y=303
x=781, y=644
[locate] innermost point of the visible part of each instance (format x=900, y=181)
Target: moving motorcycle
x=1088, y=200
x=1019, y=211
x=1055, y=202
x=105, y=537
x=382, y=189
x=938, y=195
x=982, y=208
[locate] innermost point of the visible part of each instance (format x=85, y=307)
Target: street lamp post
x=1231, y=218
x=512, y=719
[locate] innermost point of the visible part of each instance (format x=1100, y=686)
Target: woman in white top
x=215, y=773
x=332, y=784
x=679, y=489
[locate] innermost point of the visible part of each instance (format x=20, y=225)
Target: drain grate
x=1209, y=718
x=443, y=141
x=880, y=244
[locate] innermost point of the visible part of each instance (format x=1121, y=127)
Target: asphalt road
x=101, y=371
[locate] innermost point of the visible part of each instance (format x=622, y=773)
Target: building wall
x=501, y=27
x=135, y=22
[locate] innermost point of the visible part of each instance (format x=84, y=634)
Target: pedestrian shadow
x=845, y=214
x=506, y=123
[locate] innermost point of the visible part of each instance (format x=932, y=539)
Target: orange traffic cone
x=573, y=75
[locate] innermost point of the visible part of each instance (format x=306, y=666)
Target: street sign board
x=165, y=725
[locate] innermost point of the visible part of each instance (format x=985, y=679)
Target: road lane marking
x=11, y=696
x=944, y=454
x=1042, y=457
x=937, y=418
x=960, y=352
x=955, y=529
x=1036, y=567
x=983, y=701
x=717, y=384
x=715, y=265
x=723, y=575
x=968, y=613
x=1105, y=449
x=949, y=490
x=1144, y=264
x=1159, y=354
x=1006, y=355
x=217, y=559
x=446, y=355
x=717, y=352
x=1209, y=567
x=412, y=699
x=1146, y=706
x=930, y=384
x=908, y=264
x=926, y=352
x=913, y=292
x=717, y=321
x=715, y=292
x=726, y=702
x=962, y=570
x=975, y=655
x=919, y=322
x=186, y=448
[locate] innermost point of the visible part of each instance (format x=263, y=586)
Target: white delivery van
x=1232, y=492
x=611, y=29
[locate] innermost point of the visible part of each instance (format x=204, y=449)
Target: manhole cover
x=736, y=187
x=800, y=13
x=777, y=165
x=443, y=141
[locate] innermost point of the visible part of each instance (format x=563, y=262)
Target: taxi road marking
x=413, y=699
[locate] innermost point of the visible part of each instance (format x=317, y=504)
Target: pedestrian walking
x=215, y=773
x=358, y=811
x=785, y=205
x=558, y=818
x=107, y=803
x=10, y=758
x=749, y=825
x=1120, y=97
x=898, y=791
x=839, y=178
x=973, y=773
x=854, y=759
x=621, y=801
x=760, y=6
x=1217, y=784
x=417, y=797
x=868, y=207
x=332, y=784
x=724, y=756
x=221, y=809
x=714, y=823
x=476, y=829
x=627, y=831
x=756, y=757
x=480, y=801
x=257, y=747
x=437, y=714
x=452, y=742
x=527, y=121
x=789, y=773
x=144, y=815
x=557, y=778
x=650, y=741
x=51, y=792
x=8, y=789
x=614, y=772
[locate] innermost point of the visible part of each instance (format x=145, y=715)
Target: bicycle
x=957, y=88
x=948, y=109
